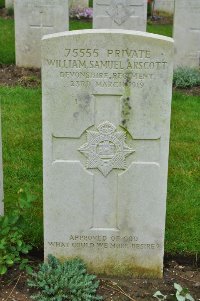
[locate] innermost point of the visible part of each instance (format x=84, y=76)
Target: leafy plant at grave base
x=186, y=77
x=182, y=294
x=12, y=245
x=69, y=281
x=81, y=13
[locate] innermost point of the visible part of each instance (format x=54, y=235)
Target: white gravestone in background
x=164, y=5
x=187, y=33
x=120, y=14
x=9, y=3
x=78, y=3
x=33, y=19
x=1, y=174
x=106, y=122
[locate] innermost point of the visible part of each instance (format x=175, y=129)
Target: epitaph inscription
x=106, y=120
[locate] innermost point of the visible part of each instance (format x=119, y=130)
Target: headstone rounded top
x=108, y=31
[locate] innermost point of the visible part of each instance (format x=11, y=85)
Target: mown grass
x=22, y=151
x=7, y=41
x=163, y=29
x=183, y=208
x=22, y=154
x=78, y=25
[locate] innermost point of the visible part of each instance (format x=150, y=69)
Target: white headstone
x=106, y=123
x=164, y=5
x=187, y=33
x=9, y=3
x=1, y=173
x=120, y=14
x=33, y=19
x=78, y=3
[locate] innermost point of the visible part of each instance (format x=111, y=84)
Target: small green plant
x=69, y=281
x=12, y=244
x=186, y=77
x=182, y=294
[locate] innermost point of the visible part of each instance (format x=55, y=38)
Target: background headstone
x=1, y=173
x=78, y=3
x=106, y=122
x=9, y=3
x=120, y=14
x=33, y=19
x=187, y=33
x=164, y=5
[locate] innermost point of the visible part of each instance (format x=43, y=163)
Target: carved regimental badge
x=119, y=11
x=106, y=148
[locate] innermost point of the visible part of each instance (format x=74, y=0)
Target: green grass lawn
x=183, y=207
x=7, y=41
x=22, y=151
x=22, y=156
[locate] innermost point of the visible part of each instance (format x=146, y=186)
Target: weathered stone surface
x=120, y=14
x=1, y=173
x=164, y=5
x=106, y=121
x=33, y=19
x=78, y=3
x=9, y=3
x=187, y=33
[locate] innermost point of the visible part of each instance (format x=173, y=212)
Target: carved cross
x=39, y=17
x=106, y=153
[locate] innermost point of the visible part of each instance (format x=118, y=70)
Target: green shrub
x=12, y=244
x=186, y=77
x=66, y=281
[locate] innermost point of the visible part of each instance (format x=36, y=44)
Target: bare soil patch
x=160, y=20
x=13, y=285
x=194, y=91
x=10, y=75
x=5, y=14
